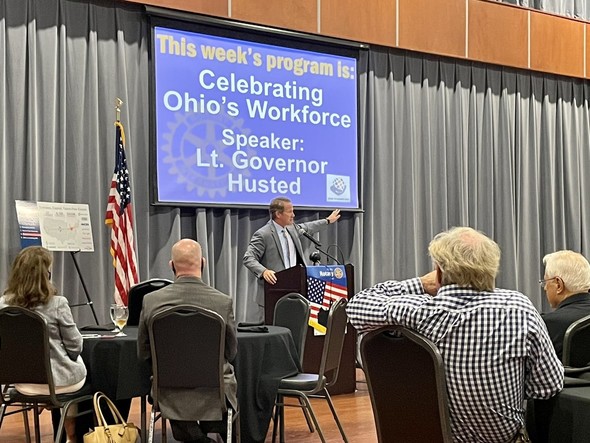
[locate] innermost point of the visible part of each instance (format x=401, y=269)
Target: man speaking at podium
x=276, y=246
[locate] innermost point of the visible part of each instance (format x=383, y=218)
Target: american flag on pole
x=322, y=294
x=119, y=217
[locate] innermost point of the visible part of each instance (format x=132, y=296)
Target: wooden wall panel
x=300, y=15
x=208, y=7
x=557, y=45
x=497, y=35
x=355, y=20
x=435, y=26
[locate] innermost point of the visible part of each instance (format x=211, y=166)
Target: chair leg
x=151, y=428
x=2, y=410
x=230, y=417
x=313, y=417
x=275, y=419
x=26, y=423
x=336, y=419
x=142, y=402
x=61, y=426
x=164, y=429
x=306, y=414
x=282, y=424
x=36, y=421
x=237, y=426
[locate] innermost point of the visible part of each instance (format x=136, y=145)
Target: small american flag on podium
x=321, y=295
x=119, y=217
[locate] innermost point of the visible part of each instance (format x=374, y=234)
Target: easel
x=89, y=301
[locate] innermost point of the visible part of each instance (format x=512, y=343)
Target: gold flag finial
x=118, y=104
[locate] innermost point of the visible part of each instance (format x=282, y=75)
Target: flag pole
x=118, y=104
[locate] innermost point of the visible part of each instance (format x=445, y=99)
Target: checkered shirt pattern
x=496, y=349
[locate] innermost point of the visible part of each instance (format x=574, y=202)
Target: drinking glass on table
x=119, y=315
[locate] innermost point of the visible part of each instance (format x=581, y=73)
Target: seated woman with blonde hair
x=29, y=286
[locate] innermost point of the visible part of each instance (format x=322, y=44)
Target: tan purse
x=120, y=432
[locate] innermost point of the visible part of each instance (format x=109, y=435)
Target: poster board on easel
x=55, y=226
x=64, y=227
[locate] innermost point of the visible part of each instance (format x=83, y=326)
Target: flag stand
x=89, y=301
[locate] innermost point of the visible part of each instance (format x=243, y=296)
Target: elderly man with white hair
x=566, y=283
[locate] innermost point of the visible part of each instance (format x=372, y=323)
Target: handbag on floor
x=119, y=432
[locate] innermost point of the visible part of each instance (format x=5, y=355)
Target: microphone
x=315, y=257
x=308, y=236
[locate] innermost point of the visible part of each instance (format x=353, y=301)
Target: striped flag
x=119, y=217
x=322, y=295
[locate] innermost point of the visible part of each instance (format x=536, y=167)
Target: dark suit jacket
x=571, y=309
x=265, y=252
x=188, y=404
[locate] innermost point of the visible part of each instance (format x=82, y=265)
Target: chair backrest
x=292, y=312
x=576, y=344
x=334, y=341
x=136, y=294
x=196, y=334
x=24, y=349
x=406, y=379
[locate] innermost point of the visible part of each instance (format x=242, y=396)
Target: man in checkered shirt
x=496, y=348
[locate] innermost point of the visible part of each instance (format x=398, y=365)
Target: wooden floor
x=354, y=411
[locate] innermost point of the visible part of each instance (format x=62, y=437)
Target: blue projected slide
x=239, y=123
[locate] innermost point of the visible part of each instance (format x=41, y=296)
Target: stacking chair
x=305, y=385
x=292, y=312
x=188, y=352
x=24, y=358
x=138, y=292
x=576, y=353
x=406, y=378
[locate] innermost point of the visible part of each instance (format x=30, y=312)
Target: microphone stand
x=328, y=255
x=317, y=244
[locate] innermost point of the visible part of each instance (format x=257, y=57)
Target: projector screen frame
x=225, y=28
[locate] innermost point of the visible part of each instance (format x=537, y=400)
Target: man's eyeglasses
x=543, y=283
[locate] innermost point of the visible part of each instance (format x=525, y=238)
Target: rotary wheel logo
x=188, y=147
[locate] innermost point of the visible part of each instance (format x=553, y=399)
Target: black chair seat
x=300, y=382
x=16, y=396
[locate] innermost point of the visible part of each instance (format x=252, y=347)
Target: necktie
x=288, y=250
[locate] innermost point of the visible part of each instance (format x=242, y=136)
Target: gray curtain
x=443, y=143
x=570, y=8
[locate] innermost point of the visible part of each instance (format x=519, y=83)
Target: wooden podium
x=295, y=280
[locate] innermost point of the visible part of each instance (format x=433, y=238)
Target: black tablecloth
x=113, y=367
x=263, y=360
x=563, y=419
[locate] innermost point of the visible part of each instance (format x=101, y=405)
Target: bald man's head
x=187, y=258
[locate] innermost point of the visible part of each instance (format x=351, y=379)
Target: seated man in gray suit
x=188, y=289
x=276, y=246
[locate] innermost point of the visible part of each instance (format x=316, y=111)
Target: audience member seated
x=566, y=283
x=188, y=289
x=29, y=286
x=493, y=341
